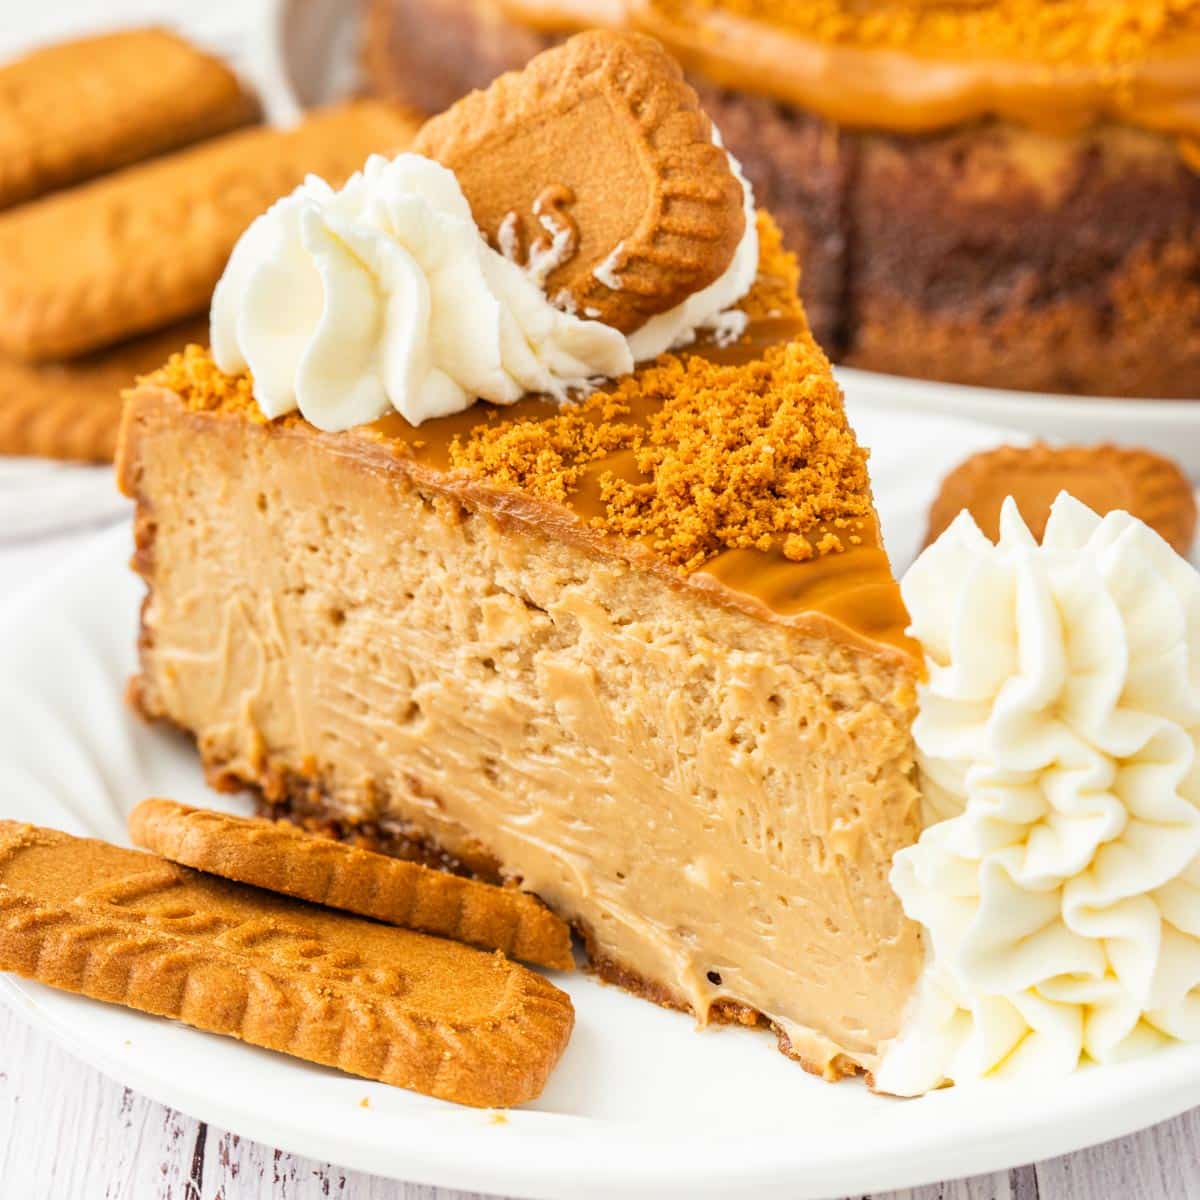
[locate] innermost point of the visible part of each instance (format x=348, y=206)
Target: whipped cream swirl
x=383, y=296
x=1059, y=876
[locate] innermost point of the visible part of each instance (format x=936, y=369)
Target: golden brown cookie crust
x=408, y=1010
x=284, y=859
x=601, y=141
x=1105, y=478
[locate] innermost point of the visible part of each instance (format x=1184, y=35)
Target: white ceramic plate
x=1171, y=427
x=39, y=497
x=642, y=1104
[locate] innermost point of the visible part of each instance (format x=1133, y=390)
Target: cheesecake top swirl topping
x=413, y=290
x=920, y=65
x=383, y=296
x=1058, y=741
x=1109, y=34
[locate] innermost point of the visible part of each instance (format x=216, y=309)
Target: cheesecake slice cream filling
x=642, y=654
x=712, y=793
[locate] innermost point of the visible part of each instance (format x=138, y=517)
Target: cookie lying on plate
x=416, y=1012
x=283, y=858
x=1105, y=478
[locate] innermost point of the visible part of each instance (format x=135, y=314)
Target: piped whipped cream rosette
x=384, y=295
x=1058, y=878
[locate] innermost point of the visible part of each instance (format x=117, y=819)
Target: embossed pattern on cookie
x=603, y=138
x=413, y=1011
x=146, y=245
x=1105, y=478
x=282, y=858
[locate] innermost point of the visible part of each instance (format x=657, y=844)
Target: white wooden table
x=68, y=1133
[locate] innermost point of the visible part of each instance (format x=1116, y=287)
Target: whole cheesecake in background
x=1004, y=192
x=638, y=651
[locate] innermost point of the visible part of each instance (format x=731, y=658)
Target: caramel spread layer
x=733, y=463
x=1105, y=34
x=914, y=65
x=696, y=457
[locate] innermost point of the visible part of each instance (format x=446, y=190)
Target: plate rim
x=428, y=1155
x=859, y=381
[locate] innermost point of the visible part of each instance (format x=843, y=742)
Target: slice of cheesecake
x=643, y=655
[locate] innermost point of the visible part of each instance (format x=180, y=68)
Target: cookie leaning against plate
x=408, y=1010
x=282, y=858
x=1105, y=478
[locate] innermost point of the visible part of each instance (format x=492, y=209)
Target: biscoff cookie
x=416, y=1012
x=145, y=91
x=72, y=410
x=1105, y=478
x=596, y=169
x=282, y=858
x=146, y=245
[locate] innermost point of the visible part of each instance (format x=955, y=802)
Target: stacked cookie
x=118, y=214
x=257, y=931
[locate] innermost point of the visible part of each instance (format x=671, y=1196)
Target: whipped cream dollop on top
x=1058, y=878
x=383, y=295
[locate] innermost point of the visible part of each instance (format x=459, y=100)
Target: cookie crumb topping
x=690, y=455
x=193, y=376
x=1115, y=35
x=730, y=457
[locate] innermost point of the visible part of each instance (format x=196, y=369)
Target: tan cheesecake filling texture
x=734, y=462
x=366, y=623
x=918, y=65
x=713, y=798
